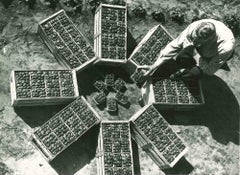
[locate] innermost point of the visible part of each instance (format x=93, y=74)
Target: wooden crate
x=110, y=34
x=64, y=128
x=155, y=136
x=149, y=48
x=43, y=87
x=69, y=46
x=115, y=154
x=173, y=94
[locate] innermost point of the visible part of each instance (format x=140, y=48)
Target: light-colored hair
x=206, y=30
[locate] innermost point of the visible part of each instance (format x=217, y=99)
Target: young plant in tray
x=100, y=98
x=121, y=98
x=119, y=84
x=109, y=80
x=100, y=86
x=137, y=76
x=111, y=104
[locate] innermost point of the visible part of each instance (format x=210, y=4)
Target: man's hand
x=144, y=67
x=179, y=74
x=149, y=70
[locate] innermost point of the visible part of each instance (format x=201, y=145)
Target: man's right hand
x=148, y=70
x=144, y=67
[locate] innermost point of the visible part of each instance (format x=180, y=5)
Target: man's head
x=203, y=33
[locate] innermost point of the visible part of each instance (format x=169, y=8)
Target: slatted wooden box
x=110, y=34
x=149, y=48
x=69, y=45
x=185, y=94
x=64, y=128
x=43, y=87
x=156, y=137
x=115, y=155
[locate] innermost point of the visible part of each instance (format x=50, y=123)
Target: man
x=203, y=47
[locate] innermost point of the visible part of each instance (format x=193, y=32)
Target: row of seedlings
x=110, y=33
x=70, y=47
x=175, y=94
x=148, y=50
x=115, y=155
x=43, y=87
x=156, y=137
x=64, y=128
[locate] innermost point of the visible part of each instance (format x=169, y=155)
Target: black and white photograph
x=119, y=87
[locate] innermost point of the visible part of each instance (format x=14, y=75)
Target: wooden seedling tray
x=68, y=44
x=154, y=135
x=165, y=93
x=64, y=128
x=115, y=152
x=47, y=82
x=110, y=34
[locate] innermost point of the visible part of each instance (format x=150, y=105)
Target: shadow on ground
x=36, y=116
x=220, y=112
x=77, y=155
x=82, y=152
x=136, y=161
x=182, y=167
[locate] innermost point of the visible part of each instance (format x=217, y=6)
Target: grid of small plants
x=176, y=91
x=159, y=133
x=67, y=43
x=61, y=35
x=65, y=127
x=137, y=76
x=114, y=84
x=112, y=33
x=116, y=147
x=44, y=83
x=147, y=53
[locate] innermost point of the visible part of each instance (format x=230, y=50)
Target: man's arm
x=172, y=49
x=225, y=51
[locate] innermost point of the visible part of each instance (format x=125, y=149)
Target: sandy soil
x=211, y=132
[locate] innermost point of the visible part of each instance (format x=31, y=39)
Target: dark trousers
x=185, y=58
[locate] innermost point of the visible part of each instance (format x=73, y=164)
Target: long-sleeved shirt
x=210, y=56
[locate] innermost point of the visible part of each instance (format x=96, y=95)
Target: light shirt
x=210, y=56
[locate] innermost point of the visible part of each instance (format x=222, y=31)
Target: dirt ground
x=211, y=132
